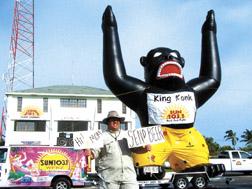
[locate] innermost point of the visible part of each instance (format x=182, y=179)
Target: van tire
x=61, y=183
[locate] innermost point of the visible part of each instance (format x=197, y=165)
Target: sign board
x=143, y=136
x=31, y=112
x=136, y=138
x=88, y=139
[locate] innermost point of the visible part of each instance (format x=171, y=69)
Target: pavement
x=238, y=181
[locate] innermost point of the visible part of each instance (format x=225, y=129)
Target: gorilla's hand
x=108, y=19
x=209, y=24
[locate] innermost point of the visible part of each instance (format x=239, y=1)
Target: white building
x=49, y=115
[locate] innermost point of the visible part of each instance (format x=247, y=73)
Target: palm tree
x=247, y=137
x=231, y=135
x=213, y=146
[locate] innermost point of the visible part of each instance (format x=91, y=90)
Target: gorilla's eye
x=157, y=54
x=173, y=54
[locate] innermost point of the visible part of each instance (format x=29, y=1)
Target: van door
x=3, y=166
x=236, y=161
x=247, y=163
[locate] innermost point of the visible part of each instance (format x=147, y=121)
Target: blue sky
x=68, y=48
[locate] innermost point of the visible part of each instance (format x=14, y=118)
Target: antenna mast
x=20, y=73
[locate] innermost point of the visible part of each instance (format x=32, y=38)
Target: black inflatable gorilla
x=164, y=98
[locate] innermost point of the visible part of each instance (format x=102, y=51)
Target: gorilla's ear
x=143, y=61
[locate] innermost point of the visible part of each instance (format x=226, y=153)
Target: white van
x=43, y=166
x=234, y=161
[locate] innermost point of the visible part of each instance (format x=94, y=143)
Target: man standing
x=114, y=163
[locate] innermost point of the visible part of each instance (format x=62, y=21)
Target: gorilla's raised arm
x=123, y=86
x=210, y=72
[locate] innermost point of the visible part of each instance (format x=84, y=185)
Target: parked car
x=234, y=161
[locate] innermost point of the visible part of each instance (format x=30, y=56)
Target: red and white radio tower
x=20, y=73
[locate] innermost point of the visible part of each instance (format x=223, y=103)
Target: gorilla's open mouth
x=168, y=69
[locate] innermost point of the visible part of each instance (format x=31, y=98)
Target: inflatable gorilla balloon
x=164, y=98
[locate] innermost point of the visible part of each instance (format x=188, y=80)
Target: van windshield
x=3, y=155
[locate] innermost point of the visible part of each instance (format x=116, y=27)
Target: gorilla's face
x=163, y=65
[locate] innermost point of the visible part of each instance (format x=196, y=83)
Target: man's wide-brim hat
x=111, y=115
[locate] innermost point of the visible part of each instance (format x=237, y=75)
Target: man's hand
x=88, y=152
x=142, y=149
x=147, y=147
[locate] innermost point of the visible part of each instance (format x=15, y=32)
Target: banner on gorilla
x=175, y=108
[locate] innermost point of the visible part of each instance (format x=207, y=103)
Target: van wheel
x=180, y=182
x=199, y=182
x=61, y=183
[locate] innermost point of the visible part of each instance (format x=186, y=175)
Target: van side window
x=235, y=155
x=3, y=155
x=224, y=155
x=244, y=155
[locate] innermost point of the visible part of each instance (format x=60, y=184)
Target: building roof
x=63, y=90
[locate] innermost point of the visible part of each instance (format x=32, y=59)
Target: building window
x=102, y=126
x=71, y=102
x=72, y=126
x=45, y=104
x=30, y=126
x=19, y=104
x=99, y=106
x=124, y=108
